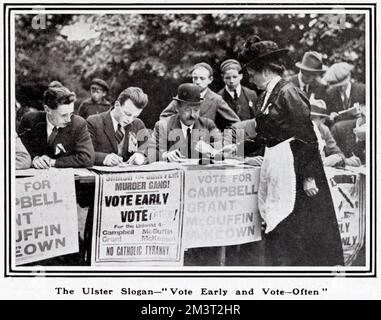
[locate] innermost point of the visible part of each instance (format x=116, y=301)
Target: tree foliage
x=156, y=52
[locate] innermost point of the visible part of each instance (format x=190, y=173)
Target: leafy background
x=156, y=52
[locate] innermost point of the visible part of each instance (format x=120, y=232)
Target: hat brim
x=319, y=115
x=303, y=67
x=190, y=102
x=271, y=54
x=100, y=86
x=340, y=83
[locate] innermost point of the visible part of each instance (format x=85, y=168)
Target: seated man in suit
x=239, y=98
x=118, y=135
x=184, y=134
x=350, y=137
x=308, y=79
x=213, y=106
x=331, y=153
x=55, y=137
x=343, y=94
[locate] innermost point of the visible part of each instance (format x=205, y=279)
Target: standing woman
x=294, y=196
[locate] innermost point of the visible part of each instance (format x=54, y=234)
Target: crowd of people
x=292, y=129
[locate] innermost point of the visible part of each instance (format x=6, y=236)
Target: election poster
x=221, y=207
x=139, y=218
x=345, y=190
x=46, y=223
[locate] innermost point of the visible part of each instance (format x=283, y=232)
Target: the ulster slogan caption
x=207, y=292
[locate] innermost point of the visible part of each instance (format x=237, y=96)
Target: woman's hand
x=353, y=161
x=229, y=150
x=332, y=160
x=254, y=161
x=309, y=187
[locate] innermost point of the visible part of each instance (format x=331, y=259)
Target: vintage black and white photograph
x=189, y=140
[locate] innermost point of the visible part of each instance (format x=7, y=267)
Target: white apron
x=277, y=186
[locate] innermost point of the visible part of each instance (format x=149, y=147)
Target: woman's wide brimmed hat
x=189, y=93
x=256, y=51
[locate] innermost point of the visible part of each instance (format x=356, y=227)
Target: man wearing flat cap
x=185, y=134
x=311, y=69
x=213, y=106
x=343, y=94
x=97, y=102
x=239, y=98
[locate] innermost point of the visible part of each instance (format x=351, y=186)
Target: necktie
x=52, y=136
x=235, y=95
x=119, y=135
x=189, y=143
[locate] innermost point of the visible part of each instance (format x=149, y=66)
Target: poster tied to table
x=138, y=219
x=348, y=200
x=221, y=207
x=46, y=223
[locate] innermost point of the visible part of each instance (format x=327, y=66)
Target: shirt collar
x=271, y=85
x=185, y=128
x=115, y=123
x=238, y=89
x=348, y=90
x=49, y=126
x=203, y=93
x=301, y=83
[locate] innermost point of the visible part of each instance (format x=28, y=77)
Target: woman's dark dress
x=309, y=236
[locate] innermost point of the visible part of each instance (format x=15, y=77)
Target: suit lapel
x=41, y=131
x=250, y=105
x=273, y=94
x=108, y=128
x=40, y=135
x=206, y=103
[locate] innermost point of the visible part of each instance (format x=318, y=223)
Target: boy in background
x=97, y=103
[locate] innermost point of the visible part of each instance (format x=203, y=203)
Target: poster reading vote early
x=221, y=207
x=46, y=217
x=139, y=218
x=345, y=189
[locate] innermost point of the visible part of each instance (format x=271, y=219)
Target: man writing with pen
x=184, y=135
x=118, y=135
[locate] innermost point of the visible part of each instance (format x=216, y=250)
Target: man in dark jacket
x=343, y=94
x=311, y=69
x=118, y=135
x=239, y=98
x=184, y=134
x=213, y=106
x=55, y=137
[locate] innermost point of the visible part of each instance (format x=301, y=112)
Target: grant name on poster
x=221, y=208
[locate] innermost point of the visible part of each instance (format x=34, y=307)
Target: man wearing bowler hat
x=184, y=134
x=343, y=94
x=97, y=102
x=212, y=106
x=311, y=69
